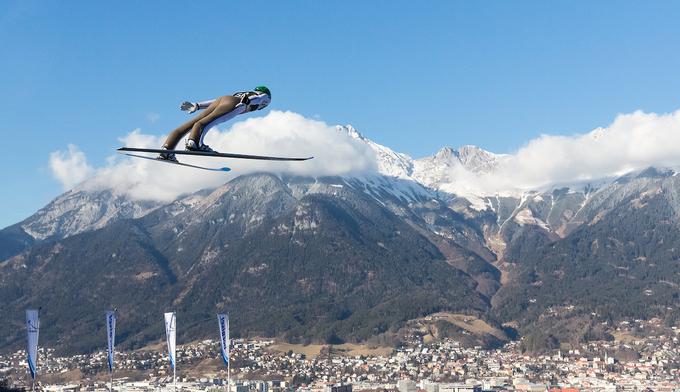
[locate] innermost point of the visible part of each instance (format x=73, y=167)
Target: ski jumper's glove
x=189, y=106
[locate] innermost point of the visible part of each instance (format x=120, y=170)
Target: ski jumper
x=216, y=112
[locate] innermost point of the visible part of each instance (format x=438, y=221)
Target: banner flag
x=170, y=329
x=111, y=336
x=223, y=320
x=32, y=327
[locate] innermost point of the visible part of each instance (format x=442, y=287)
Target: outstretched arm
x=194, y=106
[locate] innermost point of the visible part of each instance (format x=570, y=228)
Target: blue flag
x=111, y=336
x=223, y=320
x=33, y=328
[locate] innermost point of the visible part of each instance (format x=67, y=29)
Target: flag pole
x=111, y=377
x=33, y=377
x=32, y=329
x=228, y=356
x=111, y=340
x=174, y=362
x=170, y=333
x=223, y=321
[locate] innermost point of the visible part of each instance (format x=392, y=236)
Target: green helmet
x=265, y=90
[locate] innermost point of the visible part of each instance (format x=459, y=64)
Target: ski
x=211, y=154
x=217, y=169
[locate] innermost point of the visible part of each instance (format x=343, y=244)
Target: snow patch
x=526, y=217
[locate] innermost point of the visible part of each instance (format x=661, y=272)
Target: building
x=338, y=388
x=406, y=386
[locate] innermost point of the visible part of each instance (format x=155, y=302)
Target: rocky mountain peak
x=476, y=159
x=351, y=131
x=446, y=153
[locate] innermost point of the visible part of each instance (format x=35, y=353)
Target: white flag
x=111, y=335
x=170, y=328
x=32, y=327
x=223, y=320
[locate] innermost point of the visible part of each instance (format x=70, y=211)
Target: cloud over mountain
x=70, y=167
x=631, y=142
x=278, y=133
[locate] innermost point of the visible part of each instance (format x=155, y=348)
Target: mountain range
x=348, y=258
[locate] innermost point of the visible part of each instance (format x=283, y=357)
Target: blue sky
x=413, y=77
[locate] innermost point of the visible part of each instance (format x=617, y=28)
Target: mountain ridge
x=292, y=251
x=362, y=253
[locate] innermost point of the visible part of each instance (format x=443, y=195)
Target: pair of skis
x=131, y=150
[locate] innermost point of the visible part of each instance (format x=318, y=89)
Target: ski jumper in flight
x=215, y=111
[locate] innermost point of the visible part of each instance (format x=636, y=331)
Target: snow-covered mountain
x=446, y=176
x=81, y=210
x=319, y=258
x=436, y=171
x=76, y=211
x=504, y=216
x=390, y=163
x=384, y=236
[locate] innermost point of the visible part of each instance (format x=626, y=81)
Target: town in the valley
x=650, y=363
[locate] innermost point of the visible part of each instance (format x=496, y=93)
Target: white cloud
x=70, y=167
x=278, y=133
x=631, y=142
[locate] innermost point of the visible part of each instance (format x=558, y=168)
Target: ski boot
x=193, y=146
x=167, y=156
